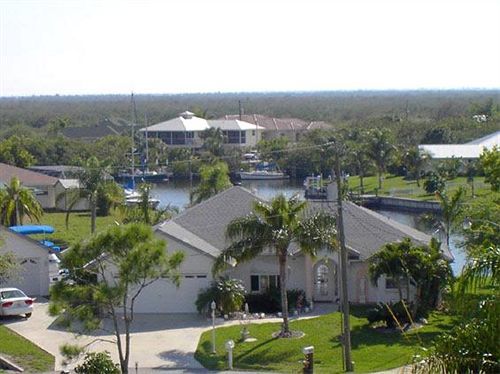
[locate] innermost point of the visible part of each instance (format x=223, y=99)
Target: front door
x=324, y=282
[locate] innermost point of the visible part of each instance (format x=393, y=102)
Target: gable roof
x=9, y=236
x=278, y=124
x=204, y=225
x=207, y=221
x=367, y=231
x=27, y=177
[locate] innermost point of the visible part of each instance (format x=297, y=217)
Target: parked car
x=14, y=302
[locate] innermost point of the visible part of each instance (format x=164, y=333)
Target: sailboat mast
x=146, y=168
x=134, y=119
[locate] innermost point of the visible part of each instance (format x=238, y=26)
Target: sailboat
x=130, y=178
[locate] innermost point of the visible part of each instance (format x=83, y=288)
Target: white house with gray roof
x=200, y=233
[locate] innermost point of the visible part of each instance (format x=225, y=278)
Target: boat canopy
x=32, y=229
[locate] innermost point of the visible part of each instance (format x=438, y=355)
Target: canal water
x=176, y=193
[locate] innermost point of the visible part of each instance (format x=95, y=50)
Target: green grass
x=78, y=228
x=24, y=353
x=371, y=349
x=399, y=187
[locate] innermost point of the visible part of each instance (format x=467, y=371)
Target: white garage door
x=29, y=280
x=163, y=297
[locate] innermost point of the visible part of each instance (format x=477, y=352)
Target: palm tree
x=358, y=157
x=16, y=202
x=214, y=179
x=92, y=184
x=389, y=261
x=380, y=149
x=451, y=209
x=213, y=141
x=276, y=226
x=415, y=162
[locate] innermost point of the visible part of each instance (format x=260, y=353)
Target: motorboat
x=263, y=175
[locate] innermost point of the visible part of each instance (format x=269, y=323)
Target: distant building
x=470, y=150
x=292, y=128
x=104, y=128
x=186, y=130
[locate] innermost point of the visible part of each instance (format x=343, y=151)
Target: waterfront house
x=186, y=131
x=43, y=186
x=199, y=232
x=32, y=256
x=468, y=151
x=271, y=127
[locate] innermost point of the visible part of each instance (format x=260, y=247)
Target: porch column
x=308, y=271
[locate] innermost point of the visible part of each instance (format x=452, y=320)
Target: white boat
x=262, y=174
x=133, y=197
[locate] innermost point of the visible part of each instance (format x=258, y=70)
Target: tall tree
x=490, y=162
x=93, y=183
x=16, y=202
x=380, y=148
x=415, y=162
x=214, y=179
x=108, y=274
x=213, y=141
x=358, y=158
x=276, y=226
x=451, y=209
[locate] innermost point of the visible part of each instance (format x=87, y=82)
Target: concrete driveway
x=158, y=341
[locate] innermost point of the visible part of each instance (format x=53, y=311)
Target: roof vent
x=186, y=115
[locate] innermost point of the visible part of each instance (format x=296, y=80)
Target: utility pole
x=346, y=326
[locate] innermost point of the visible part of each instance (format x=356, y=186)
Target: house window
x=261, y=283
x=253, y=132
x=391, y=283
x=243, y=139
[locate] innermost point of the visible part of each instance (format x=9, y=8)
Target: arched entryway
x=325, y=281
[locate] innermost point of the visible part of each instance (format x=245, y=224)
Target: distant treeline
x=333, y=107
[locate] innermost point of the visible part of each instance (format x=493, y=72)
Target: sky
x=78, y=47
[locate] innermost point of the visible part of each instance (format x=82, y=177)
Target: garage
x=164, y=297
x=33, y=277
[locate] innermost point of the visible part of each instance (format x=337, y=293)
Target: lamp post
x=213, y=306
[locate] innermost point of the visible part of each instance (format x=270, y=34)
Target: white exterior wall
x=162, y=296
x=362, y=290
x=64, y=202
x=33, y=278
x=47, y=201
x=268, y=265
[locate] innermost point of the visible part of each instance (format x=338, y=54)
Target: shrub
x=97, y=363
x=228, y=294
x=380, y=313
x=434, y=182
x=270, y=301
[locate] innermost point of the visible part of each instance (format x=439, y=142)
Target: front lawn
x=371, y=350
x=400, y=187
x=78, y=227
x=24, y=353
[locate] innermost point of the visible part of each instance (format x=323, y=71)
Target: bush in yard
x=228, y=294
x=434, y=182
x=97, y=363
x=269, y=301
x=381, y=314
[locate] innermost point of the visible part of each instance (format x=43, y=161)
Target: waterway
x=176, y=193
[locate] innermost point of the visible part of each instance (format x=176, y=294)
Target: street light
x=213, y=306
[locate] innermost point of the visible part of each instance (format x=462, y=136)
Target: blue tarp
x=51, y=245
x=32, y=229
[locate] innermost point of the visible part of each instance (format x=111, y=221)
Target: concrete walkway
x=162, y=343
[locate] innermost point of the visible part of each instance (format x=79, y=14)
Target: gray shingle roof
x=208, y=220
x=367, y=231
x=203, y=226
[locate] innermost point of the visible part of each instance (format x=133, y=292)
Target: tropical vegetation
x=16, y=202
x=134, y=257
x=275, y=227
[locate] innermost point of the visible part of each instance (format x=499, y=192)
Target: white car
x=14, y=302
